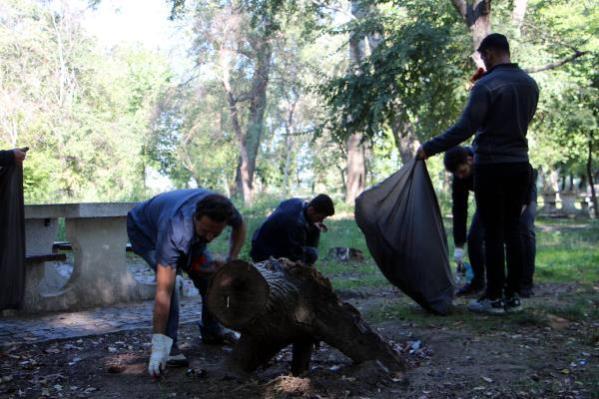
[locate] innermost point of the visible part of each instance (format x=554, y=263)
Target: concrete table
x=98, y=235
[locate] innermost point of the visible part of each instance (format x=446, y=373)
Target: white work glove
x=458, y=255
x=161, y=348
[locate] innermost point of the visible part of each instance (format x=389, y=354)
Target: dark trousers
x=476, y=252
x=500, y=191
x=476, y=247
x=210, y=325
x=529, y=244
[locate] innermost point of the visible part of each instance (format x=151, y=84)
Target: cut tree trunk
x=277, y=303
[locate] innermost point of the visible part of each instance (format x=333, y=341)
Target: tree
x=84, y=113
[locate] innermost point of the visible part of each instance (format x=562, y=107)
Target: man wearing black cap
x=501, y=105
x=292, y=231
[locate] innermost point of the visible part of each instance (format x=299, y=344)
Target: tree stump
x=279, y=302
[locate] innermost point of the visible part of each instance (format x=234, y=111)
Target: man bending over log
x=170, y=232
x=292, y=231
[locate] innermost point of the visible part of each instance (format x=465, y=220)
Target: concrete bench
x=98, y=237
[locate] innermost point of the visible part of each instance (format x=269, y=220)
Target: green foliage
x=413, y=75
x=84, y=114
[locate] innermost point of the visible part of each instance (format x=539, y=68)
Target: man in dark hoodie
x=501, y=106
x=292, y=231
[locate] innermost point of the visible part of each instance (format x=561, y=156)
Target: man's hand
x=420, y=154
x=20, y=154
x=161, y=348
x=458, y=255
x=322, y=227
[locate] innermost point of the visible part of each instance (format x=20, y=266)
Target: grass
x=567, y=251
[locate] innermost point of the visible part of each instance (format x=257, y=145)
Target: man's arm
x=296, y=238
x=238, y=236
x=161, y=343
x=471, y=120
x=165, y=283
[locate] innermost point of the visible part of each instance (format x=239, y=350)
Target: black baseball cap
x=495, y=41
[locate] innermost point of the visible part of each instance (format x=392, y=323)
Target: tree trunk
x=405, y=139
x=356, y=170
x=477, y=16
x=518, y=13
x=359, y=46
x=277, y=303
x=251, y=141
x=590, y=176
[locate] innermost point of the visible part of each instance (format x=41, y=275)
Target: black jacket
x=501, y=105
x=7, y=158
x=287, y=233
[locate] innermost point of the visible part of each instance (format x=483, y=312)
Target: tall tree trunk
x=591, y=178
x=518, y=13
x=356, y=169
x=359, y=44
x=406, y=141
x=250, y=142
x=289, y=142
x=477, y=16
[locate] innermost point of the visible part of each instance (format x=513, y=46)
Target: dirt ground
x=537, y=354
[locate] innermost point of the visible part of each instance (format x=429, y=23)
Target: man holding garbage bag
x=501, y=106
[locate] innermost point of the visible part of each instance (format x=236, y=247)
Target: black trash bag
x=402, y=223
x=12, y=238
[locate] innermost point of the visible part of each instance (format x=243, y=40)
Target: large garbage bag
x=402, y=223
x=12, y=238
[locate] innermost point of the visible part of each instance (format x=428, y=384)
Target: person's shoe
x=470, y=289
x=487, y=306
x=526, y=292
x=223, y=336
x=513, y=304
x=176, y=358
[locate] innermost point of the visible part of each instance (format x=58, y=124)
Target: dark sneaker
x=513, y=304
x=469, y=290
x=177, y=359
x=526, y=292
x=487, y=306
x=223, y=336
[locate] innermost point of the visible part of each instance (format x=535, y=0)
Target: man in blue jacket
x=293, y=230
x=501, y=106
x=171, y=232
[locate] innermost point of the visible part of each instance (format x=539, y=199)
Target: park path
x=17, y=330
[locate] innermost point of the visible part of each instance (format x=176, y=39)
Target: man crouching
x=171, y=232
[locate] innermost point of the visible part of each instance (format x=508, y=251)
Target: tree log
x=279, y=302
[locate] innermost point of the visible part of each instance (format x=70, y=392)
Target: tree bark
x=359, y=46
x=250, y=142
x=590, y=176
x=477, y=16
x=405, y=139
x=277, y=303
x=356, y=169
x=518, y=13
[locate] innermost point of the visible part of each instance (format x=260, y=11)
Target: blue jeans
x=210, y=324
